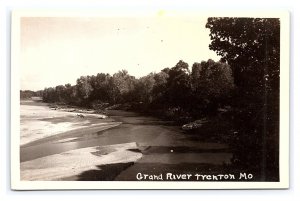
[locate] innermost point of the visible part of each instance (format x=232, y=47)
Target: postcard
x=158, y=99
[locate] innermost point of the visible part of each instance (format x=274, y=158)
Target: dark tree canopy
x=249, y=45
x=212, y=79
x=212, y=82
x=178, y=84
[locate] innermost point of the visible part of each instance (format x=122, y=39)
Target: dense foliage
x=27, y=94
x=251, y=46
x=172, y=89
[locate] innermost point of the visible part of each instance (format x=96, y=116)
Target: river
x=116, y=148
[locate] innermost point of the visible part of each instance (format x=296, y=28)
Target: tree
x=251, y=46
x=84, y=89
x=178, y=84
x=100, y=85
x=159, y=90
x=60, y=91
x=70, y=94
x=212, y=84
x=122, y=85
x=143, y=89
x=49, y=95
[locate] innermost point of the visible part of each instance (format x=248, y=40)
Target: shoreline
x=74, y=133
x=143, y=143
x=73, y=163
x=39, y=121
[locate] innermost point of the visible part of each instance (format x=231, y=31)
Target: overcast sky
x=56, y=50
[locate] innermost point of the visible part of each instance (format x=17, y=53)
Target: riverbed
x=58, y=145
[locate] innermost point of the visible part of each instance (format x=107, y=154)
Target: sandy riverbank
x=115, y=148
x=57, y=132
x=39, y=121
x=72, y=163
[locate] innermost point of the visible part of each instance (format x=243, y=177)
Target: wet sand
x=38, y=121
x=117, y=149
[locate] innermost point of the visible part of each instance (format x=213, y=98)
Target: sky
x=58, y=50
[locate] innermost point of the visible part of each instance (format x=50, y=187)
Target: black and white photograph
x=158, y=100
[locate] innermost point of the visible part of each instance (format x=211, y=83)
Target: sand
x=39, y=121
x=58, y=145
x=75, y=162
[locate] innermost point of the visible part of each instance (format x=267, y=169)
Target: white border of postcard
x=17, y=184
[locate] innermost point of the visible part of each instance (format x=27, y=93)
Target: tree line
x=196, y=92
x=27, y=94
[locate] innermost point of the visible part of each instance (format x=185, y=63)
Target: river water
x=116, y=148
